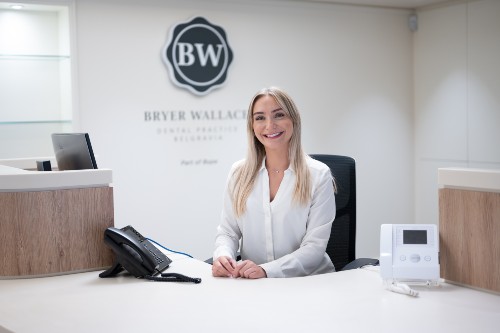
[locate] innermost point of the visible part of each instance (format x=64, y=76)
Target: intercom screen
x=414, y=236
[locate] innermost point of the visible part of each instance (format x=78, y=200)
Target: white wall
x=457, y=95
x=349, y=69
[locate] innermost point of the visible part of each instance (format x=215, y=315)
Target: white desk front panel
x=351, y=301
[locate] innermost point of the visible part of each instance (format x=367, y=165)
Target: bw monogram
x=197, y=55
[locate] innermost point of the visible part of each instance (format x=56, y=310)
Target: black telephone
x=139, y=256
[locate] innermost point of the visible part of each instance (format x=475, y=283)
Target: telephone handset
x=138, y=256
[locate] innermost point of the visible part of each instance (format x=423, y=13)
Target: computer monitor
x=73, y=151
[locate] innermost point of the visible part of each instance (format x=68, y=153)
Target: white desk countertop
x=470, y=179
x=350, y=301
x=19, y=180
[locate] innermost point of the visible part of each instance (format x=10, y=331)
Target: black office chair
x=341, y=247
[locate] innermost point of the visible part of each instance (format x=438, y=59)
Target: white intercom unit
x=409, y=252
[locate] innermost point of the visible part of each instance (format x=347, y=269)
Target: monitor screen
x=73, y=151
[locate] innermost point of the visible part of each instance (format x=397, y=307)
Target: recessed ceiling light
x=16, y=6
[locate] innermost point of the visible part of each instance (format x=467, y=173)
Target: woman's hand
x=223, y=267
x=249, y=270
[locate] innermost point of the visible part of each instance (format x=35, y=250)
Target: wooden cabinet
x=469, y=227
x=53, y=222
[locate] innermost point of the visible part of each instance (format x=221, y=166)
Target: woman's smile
x=274, y=135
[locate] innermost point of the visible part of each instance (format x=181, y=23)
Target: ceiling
x=406, y=4
x=403, y=4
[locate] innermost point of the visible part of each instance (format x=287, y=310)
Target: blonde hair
x=245, y=173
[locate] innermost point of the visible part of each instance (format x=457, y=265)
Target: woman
x=279, y=202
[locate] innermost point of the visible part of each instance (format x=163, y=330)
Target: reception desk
x=348, y=301
x=52, y=222
x=469, y=227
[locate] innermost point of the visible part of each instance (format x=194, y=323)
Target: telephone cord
x=173, y=277
x=166, y=248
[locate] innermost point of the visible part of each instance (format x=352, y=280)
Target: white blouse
x=284, y=238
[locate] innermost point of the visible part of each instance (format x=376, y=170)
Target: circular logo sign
x=197, y=55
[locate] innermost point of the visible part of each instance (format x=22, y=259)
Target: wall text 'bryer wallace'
x=202, y=115
x=197, y=55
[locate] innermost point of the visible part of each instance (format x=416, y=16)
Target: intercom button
x=427, y=258
x=415, y=258
x=402, y=257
